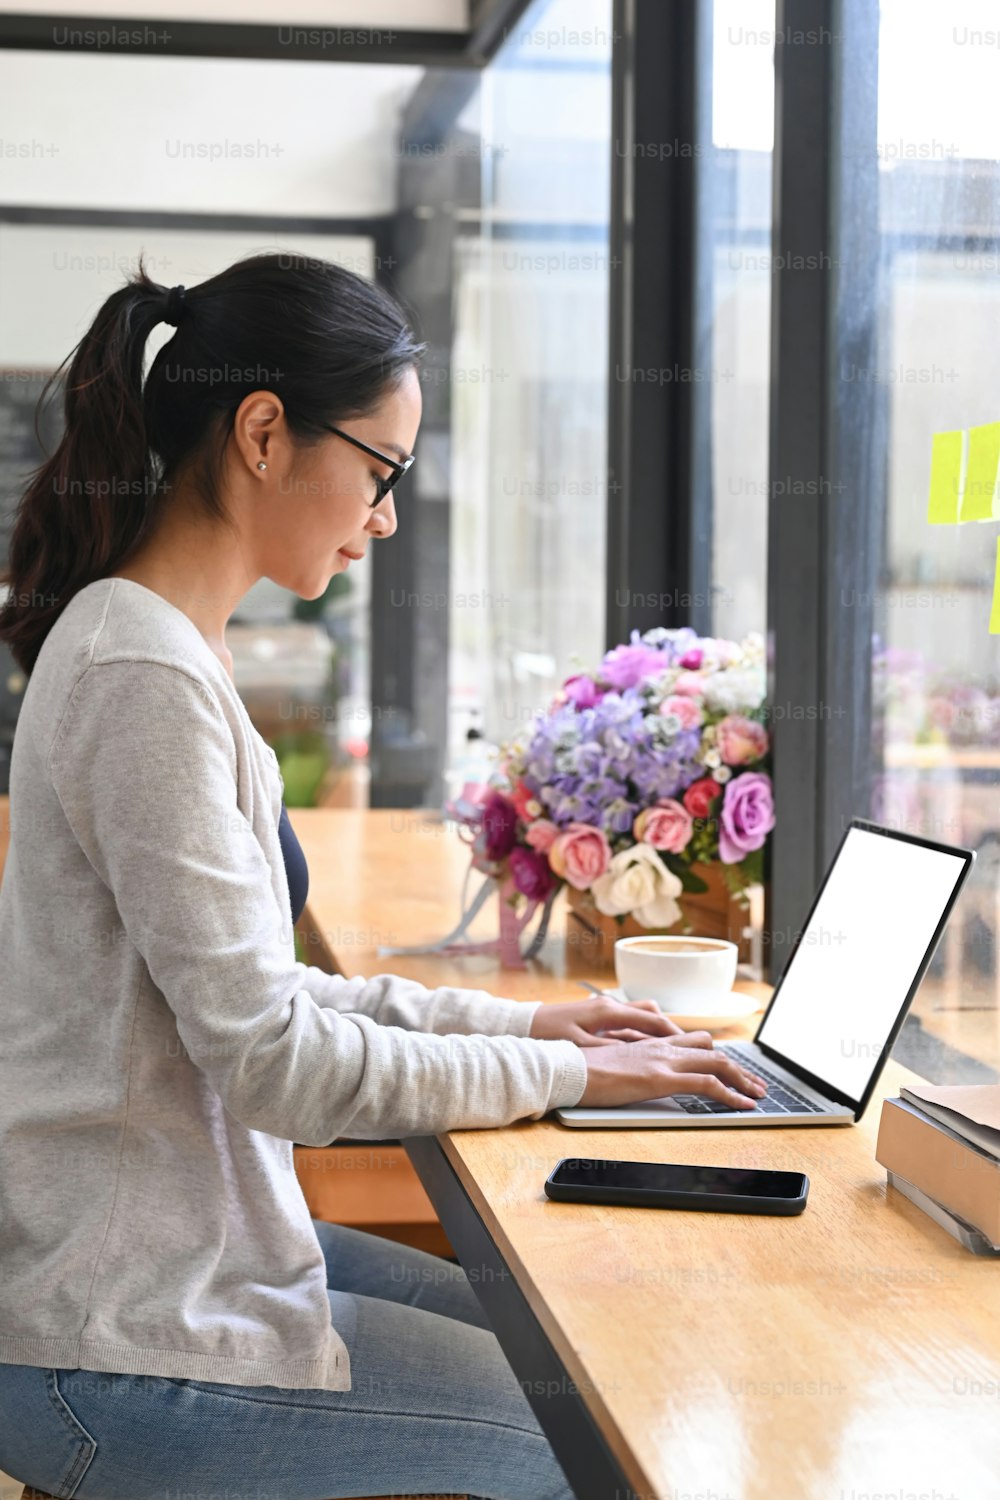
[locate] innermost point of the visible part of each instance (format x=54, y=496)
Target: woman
x=169, y=1312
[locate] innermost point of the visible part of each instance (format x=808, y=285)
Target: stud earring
x=262, y=465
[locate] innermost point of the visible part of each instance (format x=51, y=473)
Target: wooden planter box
x=714, y=913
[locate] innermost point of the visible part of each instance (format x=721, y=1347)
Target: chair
x=29, y=1494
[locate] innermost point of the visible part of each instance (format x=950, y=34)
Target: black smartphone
x=655, y=1184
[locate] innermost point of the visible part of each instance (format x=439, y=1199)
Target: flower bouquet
x=636, y=781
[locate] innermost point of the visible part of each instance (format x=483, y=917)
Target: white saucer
x=737, y=1008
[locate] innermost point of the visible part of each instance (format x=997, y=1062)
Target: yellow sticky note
x=947, y=462
x=981, y=473
x=995, y=611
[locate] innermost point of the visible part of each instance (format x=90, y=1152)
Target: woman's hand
x=599, y=1022
x=629, y=1072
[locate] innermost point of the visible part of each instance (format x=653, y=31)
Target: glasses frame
x=398, y=469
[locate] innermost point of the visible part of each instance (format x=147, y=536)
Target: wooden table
x=848, y=1352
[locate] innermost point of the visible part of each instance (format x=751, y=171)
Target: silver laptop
x=844, y=993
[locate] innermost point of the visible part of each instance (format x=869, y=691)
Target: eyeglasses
x=398, y=469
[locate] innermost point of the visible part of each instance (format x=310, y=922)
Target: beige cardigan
x=160, y=1046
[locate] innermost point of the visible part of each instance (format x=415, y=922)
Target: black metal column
x=827, y=437
x=659, y=536
x=438, y=178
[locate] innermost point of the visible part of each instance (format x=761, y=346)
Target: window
x=529, y=373
x=212, y=167
x=935, y=667
x=742, y=135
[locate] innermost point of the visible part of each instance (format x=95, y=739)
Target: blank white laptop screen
x=859, y=956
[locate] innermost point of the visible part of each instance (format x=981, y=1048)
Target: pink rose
x=665, y=825
x=580, y=854
x=747, y=816
x=692, y=659
x=531, y=873
x=685, y=709
x=690, y=684
x=740, y=740
x=542, y=835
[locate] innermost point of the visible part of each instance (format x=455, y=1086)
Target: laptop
x=843, y=995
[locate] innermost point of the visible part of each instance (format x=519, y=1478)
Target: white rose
x=637, y=882
x=729, y=653
x=740, y=690
x=712, y=758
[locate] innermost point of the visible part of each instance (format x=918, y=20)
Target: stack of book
x=940, y=1145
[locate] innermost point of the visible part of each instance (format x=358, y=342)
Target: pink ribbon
x=467, y=811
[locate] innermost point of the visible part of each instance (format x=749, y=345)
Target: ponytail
x=324, y=339
x=88, y=504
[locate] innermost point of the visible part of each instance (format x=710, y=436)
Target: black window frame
x=826, y=488
x=822, y=548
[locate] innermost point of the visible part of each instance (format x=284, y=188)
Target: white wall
x=53, y=279
x=200, y=134
x=415, y=15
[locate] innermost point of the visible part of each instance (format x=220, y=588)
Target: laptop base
x=664, y=1114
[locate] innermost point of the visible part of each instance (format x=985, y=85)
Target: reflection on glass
x=529, y=385
x=742, y=133
x=936, y=684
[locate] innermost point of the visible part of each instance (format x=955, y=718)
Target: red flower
x=700, y=795
x=521, y=796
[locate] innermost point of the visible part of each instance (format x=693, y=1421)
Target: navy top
x=295, y=864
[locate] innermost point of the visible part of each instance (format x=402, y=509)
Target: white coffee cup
x=685, y=975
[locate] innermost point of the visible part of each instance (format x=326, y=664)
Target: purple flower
x=531, y=873
x=499, y=826
x=626, y=665
x=692, y=660
x=582, y=690
x=747, y=816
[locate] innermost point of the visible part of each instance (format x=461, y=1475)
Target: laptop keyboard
x=780, y=1099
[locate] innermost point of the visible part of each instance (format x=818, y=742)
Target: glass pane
x=742, y=135
x=936, y=670
x=529, y=374
x=301, y=666
x=495, y=236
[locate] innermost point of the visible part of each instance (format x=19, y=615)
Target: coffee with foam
x=684, y=975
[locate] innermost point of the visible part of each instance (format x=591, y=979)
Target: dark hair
x=328, y=342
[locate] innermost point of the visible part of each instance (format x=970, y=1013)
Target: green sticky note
x=995, y=611
x=981, y=473
x=947, y=455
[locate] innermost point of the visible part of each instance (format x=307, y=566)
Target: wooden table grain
x=849, y=1352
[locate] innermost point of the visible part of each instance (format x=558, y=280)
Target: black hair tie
x=174, y=306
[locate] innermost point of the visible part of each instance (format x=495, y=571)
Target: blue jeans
x=434, y=1407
